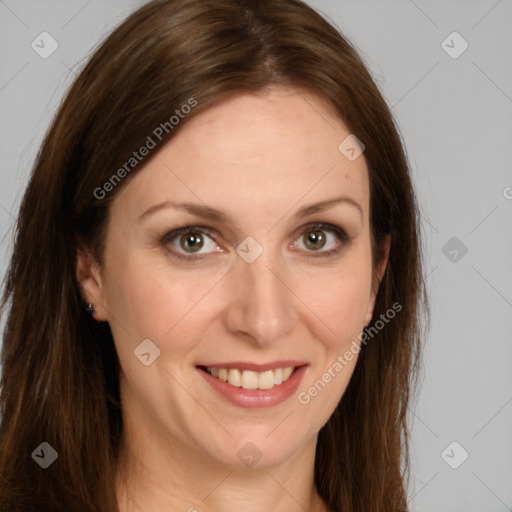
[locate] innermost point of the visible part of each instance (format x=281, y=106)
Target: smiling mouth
x=248, y=379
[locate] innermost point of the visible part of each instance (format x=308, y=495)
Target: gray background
x=455, y=115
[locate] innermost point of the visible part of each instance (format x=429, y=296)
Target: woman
x=216, y=277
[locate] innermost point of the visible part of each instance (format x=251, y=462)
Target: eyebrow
x=207, y=212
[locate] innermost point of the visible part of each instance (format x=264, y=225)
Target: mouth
x=250, y=379
x=250, y=385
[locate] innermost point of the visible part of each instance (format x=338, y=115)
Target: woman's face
x=254, y=284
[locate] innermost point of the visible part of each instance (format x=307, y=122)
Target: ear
x=377, y=278
x=88, y=275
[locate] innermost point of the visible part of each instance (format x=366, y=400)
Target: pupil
x=313, y=238
x=192, y=241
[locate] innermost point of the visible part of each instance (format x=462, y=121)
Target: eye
x=193, y=242
x=318, y=237
x=187, y=242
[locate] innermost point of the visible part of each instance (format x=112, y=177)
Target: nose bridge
x=264, y=305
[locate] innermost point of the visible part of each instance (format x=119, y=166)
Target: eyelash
x=342, y=237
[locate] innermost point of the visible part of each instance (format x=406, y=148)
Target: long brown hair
x=60, y=368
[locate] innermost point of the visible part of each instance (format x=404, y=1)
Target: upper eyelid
x=173, y=233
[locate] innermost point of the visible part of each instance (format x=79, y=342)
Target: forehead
x=262, y=152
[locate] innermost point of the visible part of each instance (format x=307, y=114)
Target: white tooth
x=287, y=372
x=249, y=380
x=235, y=377
x=266, y=380
x=252, y=380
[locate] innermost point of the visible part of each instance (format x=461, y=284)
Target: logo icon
x=454, y=249
x=44, y=45
x=249, y=455
x=454, y=455
x=249, y=250
x=351, y=147
x=454, y=45
x=44, y=455
x=147, y=352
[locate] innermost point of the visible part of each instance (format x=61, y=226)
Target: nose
x=263, y=307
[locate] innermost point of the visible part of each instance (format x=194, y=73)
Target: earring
x=90, y=309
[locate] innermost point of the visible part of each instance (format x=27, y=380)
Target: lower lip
x=251, y=398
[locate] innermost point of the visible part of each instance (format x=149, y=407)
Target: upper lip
x=242, y=365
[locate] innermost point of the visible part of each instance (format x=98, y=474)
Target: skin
x=181, y=437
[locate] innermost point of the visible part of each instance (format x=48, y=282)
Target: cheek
x=340, y=301
x=343, y=304
x=341, y=307
x=156, y=301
